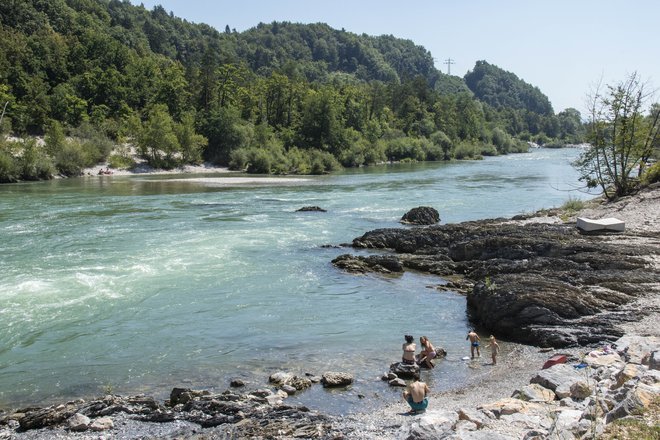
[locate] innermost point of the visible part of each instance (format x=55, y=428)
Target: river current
x=132, y=284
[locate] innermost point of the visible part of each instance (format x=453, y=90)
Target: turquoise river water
x=137, y=284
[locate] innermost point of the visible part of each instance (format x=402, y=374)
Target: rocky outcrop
x=374, y=263
x=422, y=215
x=257, y=414
x=538, y=283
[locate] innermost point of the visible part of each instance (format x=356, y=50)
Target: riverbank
x=517, y=365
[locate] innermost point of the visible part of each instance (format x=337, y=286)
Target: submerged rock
x=311, y=209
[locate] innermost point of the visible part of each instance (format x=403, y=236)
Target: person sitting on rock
x=427, y=354
x=409, y=349
x=415, y=394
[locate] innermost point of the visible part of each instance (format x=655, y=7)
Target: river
x=132, y=284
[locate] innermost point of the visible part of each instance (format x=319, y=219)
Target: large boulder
x=422, y=215
x=559, y=378
x=405, y=371
x=336, y=379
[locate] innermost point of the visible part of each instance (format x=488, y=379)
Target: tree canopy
x=305, y=95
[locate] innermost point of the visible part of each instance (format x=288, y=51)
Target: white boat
x=603, y=224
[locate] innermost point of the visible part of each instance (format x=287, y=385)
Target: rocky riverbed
x=511, y=269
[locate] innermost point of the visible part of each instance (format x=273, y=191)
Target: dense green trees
x=280, y=97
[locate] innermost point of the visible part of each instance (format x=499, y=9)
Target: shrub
x=8, y=168
x=466, y=150
x=34, y=164
x=259, y=161
x=238, y=159
x=323, y=162
x=573, y=205
x=70, y=159
x=487, y=150
x=299, y=161
x=120, y=162
x=651, y=175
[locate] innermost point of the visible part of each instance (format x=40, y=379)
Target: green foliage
x=621, y=138
x=467, y=150
x=191, y=143
x=34, y=164
x=278, y=98
x=54, y=139
x=573, y=205
x=9, y=171
x=651, y=175
x=157, y=141
x=442, y=141
x=71, y=159
x=502, y=89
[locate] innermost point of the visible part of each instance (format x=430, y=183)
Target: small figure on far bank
x=427, y=354
x=409, y=349
x=416, y=395
x=494, y=348
x=474, y=342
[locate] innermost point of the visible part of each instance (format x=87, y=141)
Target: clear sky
x=563, y=47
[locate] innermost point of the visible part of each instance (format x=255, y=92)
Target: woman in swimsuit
x=409, y=349
x=428, y=352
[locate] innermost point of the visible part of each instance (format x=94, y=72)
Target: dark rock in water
x=405, y=371
x=374, y=263
x=422, y=215
x=336, y=379
x=544, y=284
x=236, y=383
x=311, y=209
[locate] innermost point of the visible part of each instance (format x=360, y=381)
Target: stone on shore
x=78, y=422
x=102, y=424
x=535, y=393
x=559, y=378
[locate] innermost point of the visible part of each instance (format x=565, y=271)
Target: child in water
x=494, y=348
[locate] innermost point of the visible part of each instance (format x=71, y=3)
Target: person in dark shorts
x=474, y=342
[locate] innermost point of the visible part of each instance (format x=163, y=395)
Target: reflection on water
x=146, y=283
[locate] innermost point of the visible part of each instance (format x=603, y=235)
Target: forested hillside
x=277, y=98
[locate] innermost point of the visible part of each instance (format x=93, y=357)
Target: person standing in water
x=474, y=342
x=409, y=349
x=494, y=348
